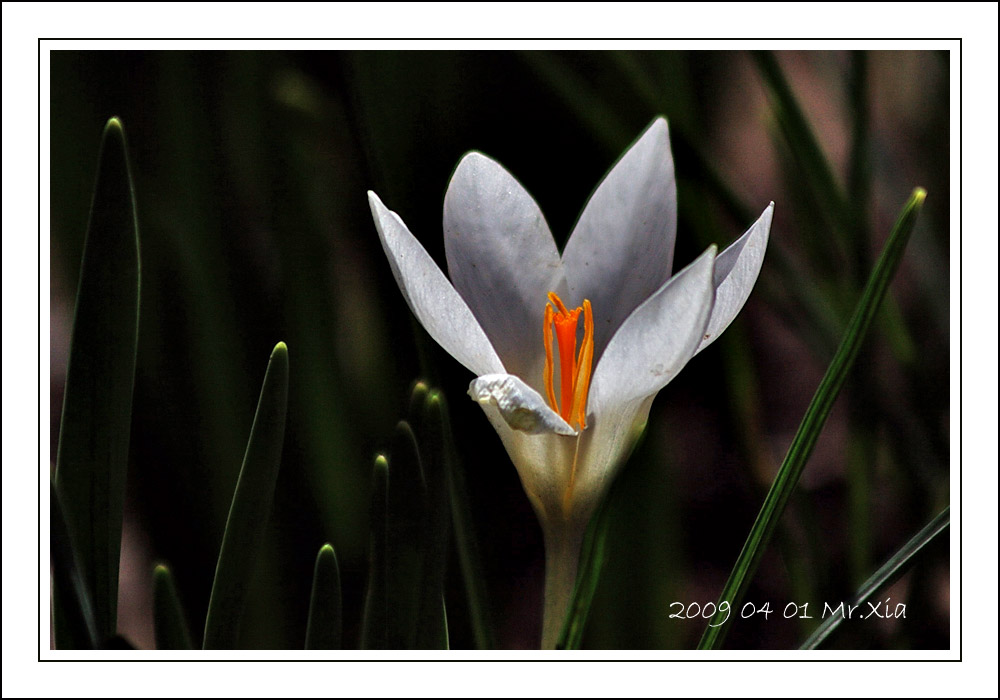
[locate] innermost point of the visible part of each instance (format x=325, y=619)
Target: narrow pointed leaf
x=812, y=423
x=886, y=575
x=323, y=630
x=169, y=626
x=432, y=627
x=373, y=623
x=406, y=527
x=78, y=627
x=250, y=508
x=92, y=455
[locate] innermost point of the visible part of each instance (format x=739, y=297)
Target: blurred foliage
x=250, y=173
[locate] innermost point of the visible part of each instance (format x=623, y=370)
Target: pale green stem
x=562, y=557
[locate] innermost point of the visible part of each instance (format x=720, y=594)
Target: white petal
x=562, y=472
x=543, y=462
x=521, y=407
x=501, y=259
x=621, y=250
x=430, y=295
x=736, y=271
x=656, y=341
x=604, y=446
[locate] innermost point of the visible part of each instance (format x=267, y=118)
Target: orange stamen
x=581, y=384
x=574, y=368
x=547, y=340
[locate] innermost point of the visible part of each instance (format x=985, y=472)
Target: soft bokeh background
x=251, y=170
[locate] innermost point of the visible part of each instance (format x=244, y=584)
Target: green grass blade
x=373, y=622
x=78, y=627
x=886, y=575
x=812, y=423
x=250, y=508
x=169, y=627
x=323, y=630
x=92, y=456
x=432, y=627
x=406, y=529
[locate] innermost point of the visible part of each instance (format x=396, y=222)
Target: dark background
x=251, y=170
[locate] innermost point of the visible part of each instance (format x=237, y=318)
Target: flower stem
x=562, y=557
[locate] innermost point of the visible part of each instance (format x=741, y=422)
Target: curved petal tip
x=521, y=407
x=736, y=272
x=429, y=294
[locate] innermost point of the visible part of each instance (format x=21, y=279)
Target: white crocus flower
x=513, y=305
